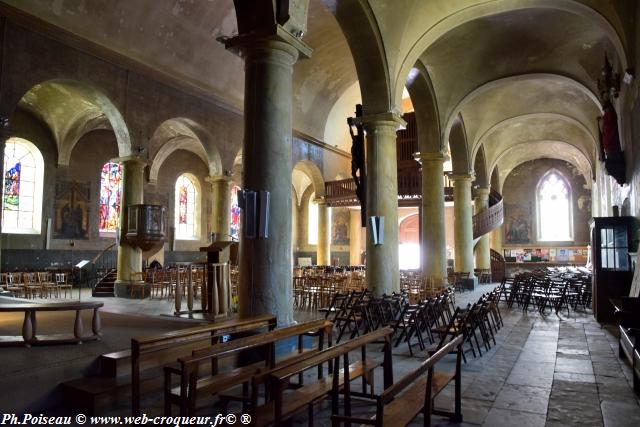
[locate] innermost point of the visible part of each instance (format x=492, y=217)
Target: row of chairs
x=42, y=284
x=547, y=289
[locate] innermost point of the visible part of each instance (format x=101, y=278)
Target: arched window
x=22, y=189
x=186, y=207
x=554, y=208
x=234, y=226
x=312, y=229
x=110, y=196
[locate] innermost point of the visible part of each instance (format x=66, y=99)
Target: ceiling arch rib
x=71, y=109
x=533, y=150
x=419, y=43
x=182, y=134
x=537, y=127
x=425, y=105
x=521, y=94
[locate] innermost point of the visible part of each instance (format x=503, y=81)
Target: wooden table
x=29, y=325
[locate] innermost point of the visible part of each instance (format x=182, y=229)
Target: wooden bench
x=399, y=404
x=192, y=385
x=159, y=350
x=627, y=311
x=29, y=325
x=276, y=411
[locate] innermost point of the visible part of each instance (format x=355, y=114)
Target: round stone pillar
x=383, y=274
x=129, y=256
x=434, y=243
x=462, y=223
x=496, y=240
x=221, y=210
x=266, y=263
x=355, y=237
x=323, y=249
x=483, y=257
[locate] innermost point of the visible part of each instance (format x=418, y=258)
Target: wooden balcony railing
x=491, y=218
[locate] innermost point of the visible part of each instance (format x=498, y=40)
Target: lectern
x=216, y=297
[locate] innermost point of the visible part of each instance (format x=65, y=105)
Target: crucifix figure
x=358, y=170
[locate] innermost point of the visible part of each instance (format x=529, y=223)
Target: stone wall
x=519, y=193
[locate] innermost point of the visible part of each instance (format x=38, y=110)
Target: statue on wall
x=358, y=166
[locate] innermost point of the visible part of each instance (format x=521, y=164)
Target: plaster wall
x=519, y=193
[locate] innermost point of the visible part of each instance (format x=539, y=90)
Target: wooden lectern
x=216, y=297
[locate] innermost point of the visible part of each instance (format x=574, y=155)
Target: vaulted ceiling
x=520, y=75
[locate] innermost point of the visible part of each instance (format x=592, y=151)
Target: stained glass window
x=22, y=189
x=554, y=208
x=234, y=228
x=110, y=196
x=313, y=221
x=185, y=212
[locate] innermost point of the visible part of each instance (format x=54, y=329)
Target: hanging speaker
x=47, y=239
x=376, y=228
x=263, y=218
x=250, y=219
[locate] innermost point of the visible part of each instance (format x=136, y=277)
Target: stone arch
x=313, y=172
x=425, y=105
x=480, y=169
x=183, y=134
x=71, y=109
x=489, y=8
x=359, y=25
x=495, y=179
x=459, y=147
x=481, y=90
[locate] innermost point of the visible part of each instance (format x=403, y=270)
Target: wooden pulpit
x=216, y=296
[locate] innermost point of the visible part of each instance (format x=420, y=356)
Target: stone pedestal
x=434, y=244
x=129, y=256
x=265, y=264
x=383, y=275
x=483, y=257
x=462, y=223
x=355, y=237
x=221, y=210
x=323, y=249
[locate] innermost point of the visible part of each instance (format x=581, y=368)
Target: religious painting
x=517, y=224
x=71, y=210
x=234, y=226
x=340, y=227
x=12, y=187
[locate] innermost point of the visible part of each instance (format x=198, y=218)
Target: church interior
x=409, y=212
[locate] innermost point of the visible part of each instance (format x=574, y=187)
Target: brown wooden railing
x=491, y=218
x=102, y=264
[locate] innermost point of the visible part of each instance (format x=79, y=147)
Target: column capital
x=483, y=192
x=132, y=159
x=383, y=119
x=214, y=179
x=462, y=177
x=274, y=37
x=434, y=157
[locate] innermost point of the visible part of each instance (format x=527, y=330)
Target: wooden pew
x=627, y=311
x=399, y=404
x=29, y=325
x=192, y=384
x=159, y=350
x=276, y=411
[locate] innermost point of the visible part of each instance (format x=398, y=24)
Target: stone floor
x=544, y=371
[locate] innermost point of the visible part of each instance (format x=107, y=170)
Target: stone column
x=434, y=242
x=462, y=223
x=483, y=258
x=221, y=209
x=383, y=275
x=496, y=240
x=129, y=256
x=266, y=264
x=323, y=249
x=355, y=237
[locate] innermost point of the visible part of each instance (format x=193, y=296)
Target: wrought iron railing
x=491, y=218
x=102, y=264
